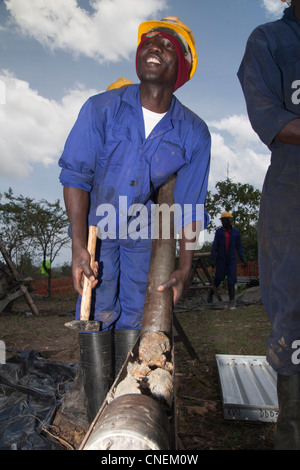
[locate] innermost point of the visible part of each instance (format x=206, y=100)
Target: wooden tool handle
x=87, y=284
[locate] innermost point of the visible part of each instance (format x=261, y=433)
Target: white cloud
x=237, y=152
x=64, y=25
x=274, y=7
x=34, y=128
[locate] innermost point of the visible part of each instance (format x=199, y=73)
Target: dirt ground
x=201, y=425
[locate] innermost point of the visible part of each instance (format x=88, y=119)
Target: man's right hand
x=81, y=267
x=77, y=203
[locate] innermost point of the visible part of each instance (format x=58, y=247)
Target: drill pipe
x=158, y=307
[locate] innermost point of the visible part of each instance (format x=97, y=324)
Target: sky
x=54, y=54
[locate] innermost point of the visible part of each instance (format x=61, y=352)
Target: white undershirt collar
x=151, y=119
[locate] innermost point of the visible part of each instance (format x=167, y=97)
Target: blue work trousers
x=118, y=298
x=225, y=268
x=279, y=264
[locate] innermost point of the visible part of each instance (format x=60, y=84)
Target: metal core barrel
x=158, y=307
x=131, y=422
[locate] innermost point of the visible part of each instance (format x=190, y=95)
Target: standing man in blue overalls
x=270, y=77
x=227, y=242
x=124, y=145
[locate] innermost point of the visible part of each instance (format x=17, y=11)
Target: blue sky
x=54, y=54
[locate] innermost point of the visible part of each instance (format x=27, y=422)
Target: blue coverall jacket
x=108, y=155
x=226, y=259
x=270, y=78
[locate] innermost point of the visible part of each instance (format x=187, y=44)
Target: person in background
x=270, y=78
x=227, y=242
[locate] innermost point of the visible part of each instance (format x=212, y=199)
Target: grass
x=242, y=331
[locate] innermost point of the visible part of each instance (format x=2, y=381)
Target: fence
x=58, y=286
x=65, y=285
x=250, y=271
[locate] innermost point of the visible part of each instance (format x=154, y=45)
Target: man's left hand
x=177, y=282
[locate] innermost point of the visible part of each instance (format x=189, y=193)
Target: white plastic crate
x=249, y=390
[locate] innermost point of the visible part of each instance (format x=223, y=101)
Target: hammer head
x=80, y=325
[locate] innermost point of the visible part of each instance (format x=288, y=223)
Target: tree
x=12, y=229
x=242, y=201
x=38, y=229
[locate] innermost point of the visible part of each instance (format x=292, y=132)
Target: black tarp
x=31, y=391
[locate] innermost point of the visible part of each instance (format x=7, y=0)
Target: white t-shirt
x=151, y=119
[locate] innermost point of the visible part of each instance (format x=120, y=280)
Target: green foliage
x=35, y=230
x=242, y=201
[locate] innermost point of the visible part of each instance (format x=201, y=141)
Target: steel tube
x=158, y=307
x=131, y=422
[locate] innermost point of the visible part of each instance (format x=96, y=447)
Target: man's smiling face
x=157, y=61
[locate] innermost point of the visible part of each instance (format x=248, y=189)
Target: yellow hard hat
x=226, y=215
x=119, y=83
x=288, y=2
x=173, y=23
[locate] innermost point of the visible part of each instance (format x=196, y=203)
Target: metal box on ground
x=249, y=389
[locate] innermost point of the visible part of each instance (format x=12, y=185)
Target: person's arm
x=261, y=80
x=190, y=194
x=214, y=248
x=180, y=276
x=290, y=133
x=77, y=203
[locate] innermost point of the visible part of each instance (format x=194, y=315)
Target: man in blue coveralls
x=270, y=77
x=227, y=242
x=125, y=143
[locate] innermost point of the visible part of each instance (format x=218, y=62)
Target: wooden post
x=23, y=288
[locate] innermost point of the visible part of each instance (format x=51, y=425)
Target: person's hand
x=177, y=282
x=81, y=267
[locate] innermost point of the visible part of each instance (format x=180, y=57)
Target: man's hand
x=178, y=278
x=177, y=282
x=290, y=133
x=81, y=267
x=77, y=203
